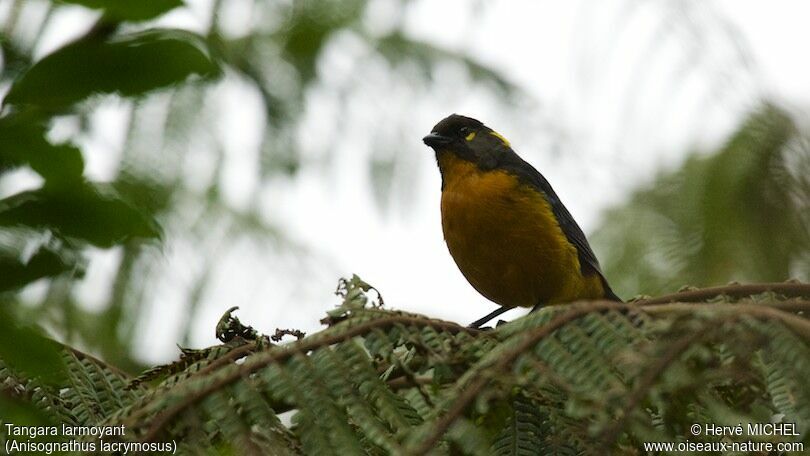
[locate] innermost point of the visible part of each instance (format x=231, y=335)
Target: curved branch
x=799, y=325
x=788, y=289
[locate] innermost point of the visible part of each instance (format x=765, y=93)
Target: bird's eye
x=467, y=133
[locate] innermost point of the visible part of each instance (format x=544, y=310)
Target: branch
x=788, y=289
x=799, y=325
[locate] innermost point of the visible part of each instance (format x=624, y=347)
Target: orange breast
x=505, y=239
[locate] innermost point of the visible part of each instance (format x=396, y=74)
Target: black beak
x=436, y=140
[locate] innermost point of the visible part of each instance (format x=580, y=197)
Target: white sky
x=604, y=116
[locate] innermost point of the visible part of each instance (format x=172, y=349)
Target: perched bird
x=506, y=229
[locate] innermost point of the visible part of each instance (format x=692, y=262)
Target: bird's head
x=468, y=139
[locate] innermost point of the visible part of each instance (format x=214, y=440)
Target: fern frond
x=571, y=379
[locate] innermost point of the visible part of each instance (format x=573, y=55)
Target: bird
x=505, y=227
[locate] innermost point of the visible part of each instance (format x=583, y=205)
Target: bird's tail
x=609, y=294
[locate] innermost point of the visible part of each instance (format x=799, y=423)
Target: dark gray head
x=470, y=140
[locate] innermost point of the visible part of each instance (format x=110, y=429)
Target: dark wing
x=587, y=260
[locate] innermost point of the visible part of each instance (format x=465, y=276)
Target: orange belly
x=506, y=241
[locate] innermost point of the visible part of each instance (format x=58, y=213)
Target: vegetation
x=690, y=225
x=573, y=379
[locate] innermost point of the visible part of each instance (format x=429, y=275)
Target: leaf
x=23, y=142
x=131, y=65
x=79, y=211
x=46, y=262
x=25, y=351
x=22, y=413
x=129, y=10
x=16, y=59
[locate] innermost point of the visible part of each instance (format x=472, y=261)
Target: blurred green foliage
x=25, y=350
x=23, y=143
x=44, y=232
x=125, y=65
x=739, y=213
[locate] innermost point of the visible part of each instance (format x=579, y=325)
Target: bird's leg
x=477, y=323
x=536, y=307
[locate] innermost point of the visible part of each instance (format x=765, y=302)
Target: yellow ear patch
x=500, y=136
x=470, y=137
